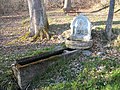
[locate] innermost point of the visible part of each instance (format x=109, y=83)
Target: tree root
x=41, y=35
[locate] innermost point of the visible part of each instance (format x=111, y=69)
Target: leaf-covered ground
x=98, y=71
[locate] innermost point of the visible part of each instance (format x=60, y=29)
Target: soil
x=13, y=31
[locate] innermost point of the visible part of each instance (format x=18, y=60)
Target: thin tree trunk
x=108, y=28
x=38, y=19
x=67, y=5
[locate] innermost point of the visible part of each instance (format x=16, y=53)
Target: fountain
x=80, y=37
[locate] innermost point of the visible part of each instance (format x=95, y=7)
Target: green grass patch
x=96, y=74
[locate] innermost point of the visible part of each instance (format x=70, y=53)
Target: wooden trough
x=25, y=70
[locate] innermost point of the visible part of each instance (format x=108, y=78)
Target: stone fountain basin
x=78, y=44
x=27, y=69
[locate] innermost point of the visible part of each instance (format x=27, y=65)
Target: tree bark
x=38, y=19
x=67, y=5
x=108, y=28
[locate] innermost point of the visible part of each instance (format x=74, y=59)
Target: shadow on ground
x=59, y=28
x=104, y=22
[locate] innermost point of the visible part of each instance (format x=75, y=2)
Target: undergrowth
x=96, y=74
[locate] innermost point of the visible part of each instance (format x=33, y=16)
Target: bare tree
x=38, y=19
x=67, y=5
x=108, y=28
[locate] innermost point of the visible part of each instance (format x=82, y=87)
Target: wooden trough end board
x=25, y=70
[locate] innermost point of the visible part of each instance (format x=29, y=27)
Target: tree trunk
x=67, y=5
x=108, y=28
x=38, y=19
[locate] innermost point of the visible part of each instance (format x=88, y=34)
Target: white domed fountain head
x=81, y=28
x=80, y=37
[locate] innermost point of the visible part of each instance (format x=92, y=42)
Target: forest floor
x=98, y=72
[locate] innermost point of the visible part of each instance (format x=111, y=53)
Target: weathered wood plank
x=35, y=58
